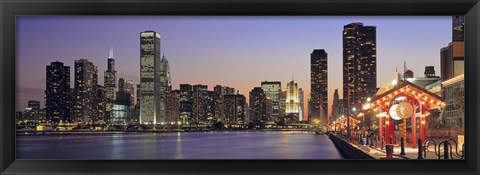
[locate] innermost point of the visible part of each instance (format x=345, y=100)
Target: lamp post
x=350, y=128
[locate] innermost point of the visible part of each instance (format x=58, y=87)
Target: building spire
x=110, y=55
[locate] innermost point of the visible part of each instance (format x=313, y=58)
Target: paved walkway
x=410, y=153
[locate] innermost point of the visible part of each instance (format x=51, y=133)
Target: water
x=181, y=145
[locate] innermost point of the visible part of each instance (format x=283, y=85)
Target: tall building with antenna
x=110, y=76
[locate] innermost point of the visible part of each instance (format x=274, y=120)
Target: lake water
x=181, y=145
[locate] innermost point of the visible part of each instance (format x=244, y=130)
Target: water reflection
x=190, y=145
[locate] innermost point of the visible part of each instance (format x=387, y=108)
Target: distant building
x=408, y=74
x=172, y=106
x=110, y=82
x=164, y=86
x=150, y=92
x=282, y=106
x=359, y=64
x=57, y=92
x=200, y=104
x=430, y=72
x=337, y=106
x=186, y=102
x=235, y=109
x=33, y=105
x=120, y=114
x=110, y=79
x=258, y=105
x=318, y=84
x=301, y=110
x=292, y=102
x=85, y=91
x=32, y=112
x=137, y=104
x=446, y=62
x=101, y=102
x=272, y=90
x=219, y=101
x=126, y=92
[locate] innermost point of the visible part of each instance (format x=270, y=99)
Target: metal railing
x=444, y=147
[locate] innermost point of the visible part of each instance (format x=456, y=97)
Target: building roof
x=412, y=89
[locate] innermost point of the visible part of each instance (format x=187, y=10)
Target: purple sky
x=239, y=52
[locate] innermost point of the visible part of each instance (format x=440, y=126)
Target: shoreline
x=27, y=133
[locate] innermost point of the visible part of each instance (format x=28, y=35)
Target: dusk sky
x=239, y=52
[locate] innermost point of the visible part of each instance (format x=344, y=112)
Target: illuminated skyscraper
x=165, y=86
x=150, y=89
x=235, y=109
x=110, y=84
x=57, y=92
x=318, y=85
x=272, y=90
x=186, y=102
x=101, y=104
x=292, y=100
x=337, y=106
x=125, y=94
x=200, y=103
x=258, y=105
x=110, y=76
x=359, y=64
x=172, y=106
x=301, y=110
x=85, y=91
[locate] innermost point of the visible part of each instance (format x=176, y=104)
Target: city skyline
x=240, y=77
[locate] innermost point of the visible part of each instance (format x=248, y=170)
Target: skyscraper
x=446, y=62
x=318, y=85
x=186, y=102
x=292, y=102
x=137, y=103
x=110, y=78
x=235, y=109
x=258, y=105
x=272, y=90
x=85, y=91
x=101, y=104
x=301, y=110
x=165, y=86
x=337, y=106
x=150, y=89
x=57, y=92
x=359, y=64
x=125, y=92
x=172, y=106
x=200, y=103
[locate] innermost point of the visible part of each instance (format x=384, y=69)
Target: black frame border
x=9, y=9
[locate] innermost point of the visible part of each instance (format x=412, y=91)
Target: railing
x=426, y=145
x=445, y=147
